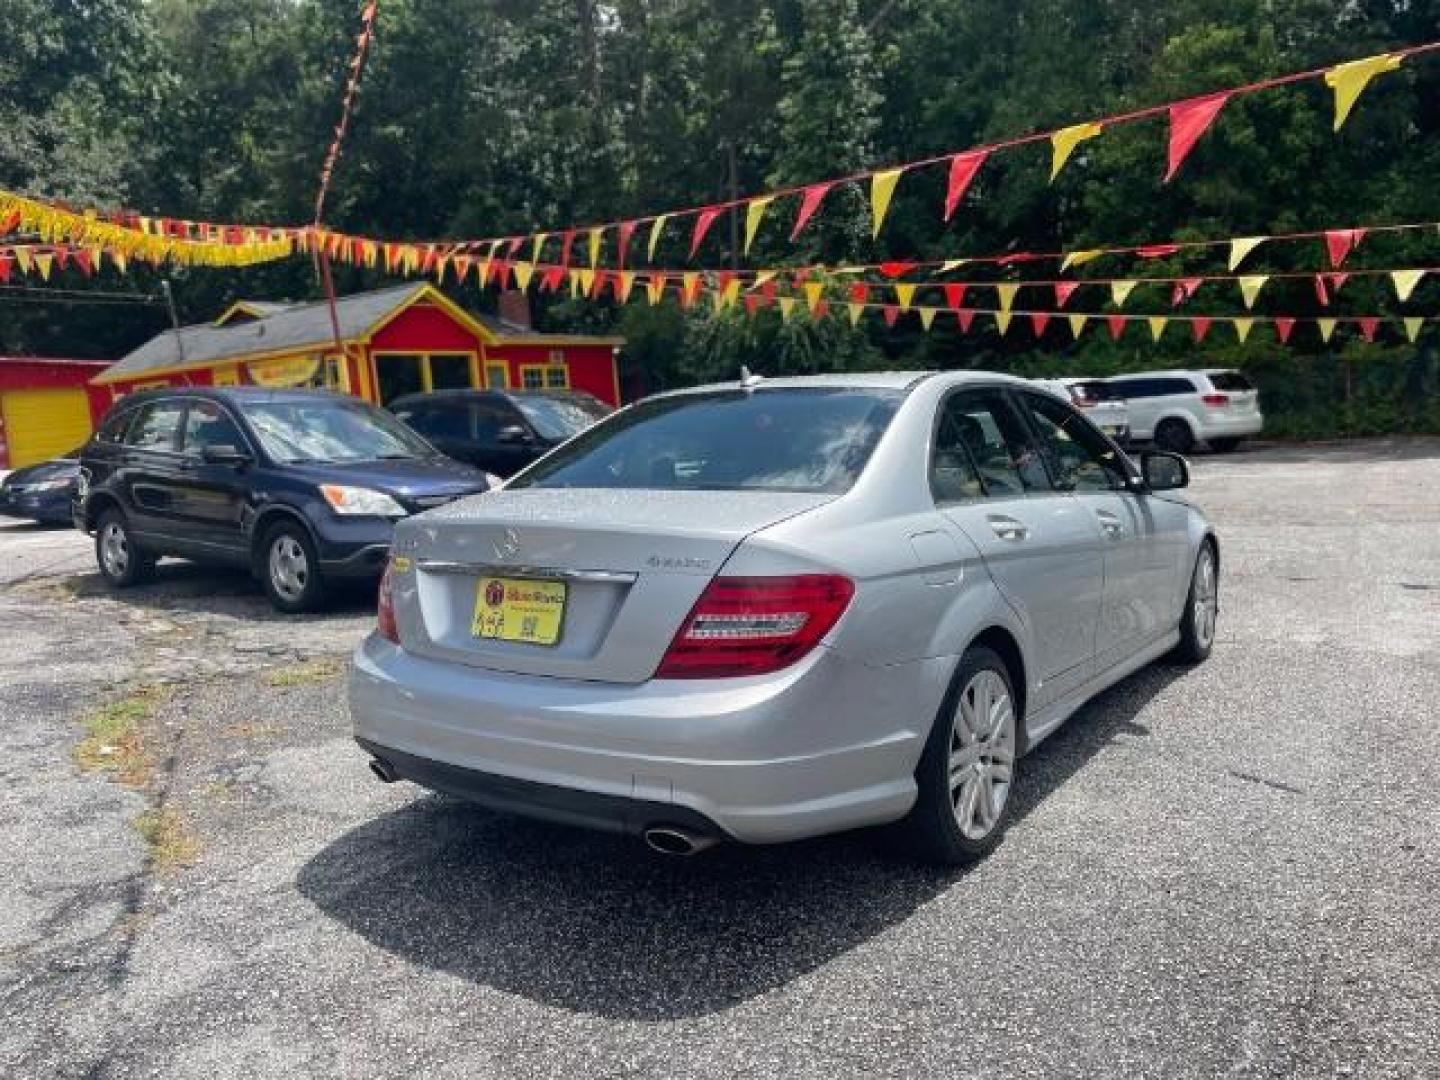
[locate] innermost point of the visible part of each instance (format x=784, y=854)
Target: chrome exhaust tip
x=672, y=840
x=383, y=770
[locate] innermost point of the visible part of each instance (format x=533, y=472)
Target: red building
x=395, y=341
x=46, y=407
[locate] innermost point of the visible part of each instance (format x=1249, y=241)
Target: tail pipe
x=674, y=840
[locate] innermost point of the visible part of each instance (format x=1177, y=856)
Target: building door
x=398, y=374
x=42, y=424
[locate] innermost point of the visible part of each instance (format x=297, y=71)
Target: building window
x=497, y=376
x=532, y=377
x=398, y=374
x=557, y=377
x=450, y=371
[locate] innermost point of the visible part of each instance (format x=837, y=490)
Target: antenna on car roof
x=749, y=381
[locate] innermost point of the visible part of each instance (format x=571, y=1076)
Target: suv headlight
x=358, y=500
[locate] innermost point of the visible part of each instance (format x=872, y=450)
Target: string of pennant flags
x=1189, y=120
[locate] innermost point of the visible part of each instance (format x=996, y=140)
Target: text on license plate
x=517, y=609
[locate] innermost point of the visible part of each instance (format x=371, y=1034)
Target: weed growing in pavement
x=306, y=673
x=170, y=841
x=115, y=742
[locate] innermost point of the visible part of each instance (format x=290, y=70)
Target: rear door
x=149, y=469
x=1040, y=545
x=504, y=441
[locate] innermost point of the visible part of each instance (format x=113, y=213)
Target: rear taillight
x=1216, y=401
x=385, y=607
x=754, y=625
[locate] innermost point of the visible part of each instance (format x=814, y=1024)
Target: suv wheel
x=1175, y=436
x=290, y=569
x=967, y=771
x=122, y=561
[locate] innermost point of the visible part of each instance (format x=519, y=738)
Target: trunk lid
x=631, y=563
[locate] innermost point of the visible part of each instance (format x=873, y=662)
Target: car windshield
x=560, y=418
x=805, y=440
x=294, y=432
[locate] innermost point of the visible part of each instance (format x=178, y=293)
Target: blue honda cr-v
x=301, y=486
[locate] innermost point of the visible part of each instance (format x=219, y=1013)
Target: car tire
x=290, y=569
x=1175, y=436
x=1202, y=607
x=1223, y=446
x=122, y=561
x=964, y=763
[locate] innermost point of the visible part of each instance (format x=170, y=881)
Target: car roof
x=468, y=392
x=1167, y=372
x=851, y=380
x=237, y=394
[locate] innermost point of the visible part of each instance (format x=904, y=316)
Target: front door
x=210, y=499
x=1039, y=545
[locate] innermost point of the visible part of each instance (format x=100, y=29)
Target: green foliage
x=487, y=117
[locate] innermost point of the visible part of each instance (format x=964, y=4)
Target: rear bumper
x=52, y=507
x=1232, y=427
x=826, y=745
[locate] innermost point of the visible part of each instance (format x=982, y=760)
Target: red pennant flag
x=1117, y=324
x=1340, y=242
x=392, y=252
x=1064, y=290
x=505, y=269
x=1018, y=257
x=553, y=279
x=965, y=316
x=566, y=243
x=626, y=231
x=859, y=292
x=724, y=280
x=1200, y=327
x=821, y=309
x=1188, y=121
x=703, y=221
x=62, y=257
x=1185, y=289
x=1321, y=292
x=955, y=293
x=6, y=263
x=1039, y=320
x=894, y=270
x=462, y=268
x=809, y=202
x=752, y=303
x=657, y=282
x=85, y=262
x=963, y=168
x=1157, y=251
x=1337, y=281
x=891, y=312
x=1283, y=329
x=515, y=243
x=768, y=292
x=428, y=262
x=597, y=284
x=1368, y=327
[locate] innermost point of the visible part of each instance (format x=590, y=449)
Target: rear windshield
x=1230, y=380
x=560, y=418
x=806, y=440
x=1093, y=390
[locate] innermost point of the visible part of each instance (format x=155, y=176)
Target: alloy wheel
x=1207, y=599
x=115, y=550
x=289, y=568
x=982, y=754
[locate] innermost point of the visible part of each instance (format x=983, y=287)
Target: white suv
x=1098, y=400
x=1177, y=409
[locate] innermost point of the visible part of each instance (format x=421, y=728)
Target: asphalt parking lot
x=1228, y=870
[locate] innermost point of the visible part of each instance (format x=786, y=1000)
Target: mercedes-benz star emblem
x=506, y=545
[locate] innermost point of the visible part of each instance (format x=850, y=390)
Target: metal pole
x=174, y=318
x=329, y=283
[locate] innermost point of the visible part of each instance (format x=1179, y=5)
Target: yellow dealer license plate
x=517, y=609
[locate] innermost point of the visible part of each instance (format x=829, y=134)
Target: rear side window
x=1094, y=390
x=1143, y=388
x=439, y=421
x=785, y=439
x=113, y=429
x=983, y=449
x=1230, y=380
x=157, y=427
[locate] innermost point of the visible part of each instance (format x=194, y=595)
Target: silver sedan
x=780, y=608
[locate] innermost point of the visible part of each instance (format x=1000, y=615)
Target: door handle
x=1110, y=525
x=1007, y=528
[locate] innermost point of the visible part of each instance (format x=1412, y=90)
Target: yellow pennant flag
x=1327, y=329
x=689, y=285
x=43, y=260
x=574, y=276
x=927, y=316
x=1349, y=82
x=1079, y=258
x=1006, y=295
x=1002, y=322
x=787, y=307
x=1250, y=287
x=1064, y=143
x=951, y=264
x=655, y=288
x=855, y=310
x=882, y=187
x=764, y=277
x=627, y=282
x=904, y=296
x=1242, y=247
x=369, y=253
x=1157, y=326
x=587, y=282
x=1412, y=328
x=97, y=253
x=1243, y=328
x=754, y=213
x=656, y=228
x=1405, y=282
x=726, y=297
x=23, y=259
x=814, y=293
x=1077, y=325
x=120, y=259
x=1120, y=291
x=597, y=235
x=539, y=246
x=524, y=271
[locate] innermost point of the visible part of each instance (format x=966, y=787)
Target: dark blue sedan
x=41, y=492
x=302, y=487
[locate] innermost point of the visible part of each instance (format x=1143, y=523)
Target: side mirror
x=1164, y=471
x=512, y=433
x=224, y=454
